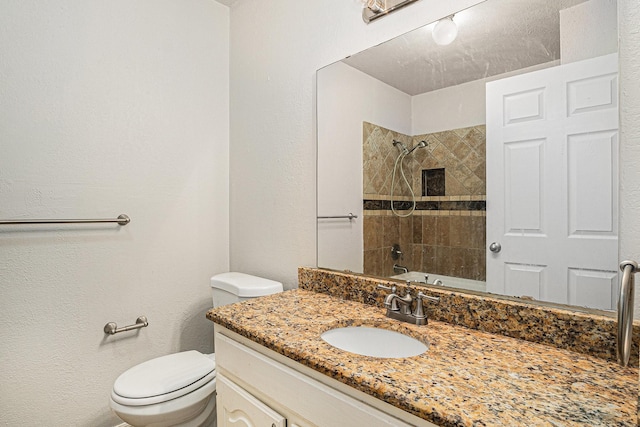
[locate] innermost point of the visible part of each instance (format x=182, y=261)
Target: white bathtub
x=450, y=282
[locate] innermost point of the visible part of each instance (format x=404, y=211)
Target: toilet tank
x=231, y=287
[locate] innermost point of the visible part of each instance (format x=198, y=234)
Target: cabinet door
x=237, y=408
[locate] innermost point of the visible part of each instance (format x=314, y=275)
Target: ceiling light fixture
x=375, y=5
x=445, y=31
x=374, y=9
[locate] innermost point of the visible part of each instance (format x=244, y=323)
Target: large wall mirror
x=488, y=163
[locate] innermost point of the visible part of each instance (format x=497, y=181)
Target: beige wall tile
x=438, y=241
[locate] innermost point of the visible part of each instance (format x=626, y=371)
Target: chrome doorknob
x=495, y=247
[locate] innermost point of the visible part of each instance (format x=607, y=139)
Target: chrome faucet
x=399, y=268
x=436, y=282
x=400, y=308
x=403, y=303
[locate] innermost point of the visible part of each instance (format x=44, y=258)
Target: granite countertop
x=466, y=378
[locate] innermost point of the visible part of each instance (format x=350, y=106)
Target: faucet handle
x=392, y=288
x=428, y=297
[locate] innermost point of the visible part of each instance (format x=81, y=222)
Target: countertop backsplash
x=593, y=334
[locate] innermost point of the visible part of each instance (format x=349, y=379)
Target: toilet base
x=211, y=419
x=207, y=417
x=201, y=417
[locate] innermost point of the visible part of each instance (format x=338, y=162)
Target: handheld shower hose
x=403, y=153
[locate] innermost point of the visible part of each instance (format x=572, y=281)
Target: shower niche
x=433, y=182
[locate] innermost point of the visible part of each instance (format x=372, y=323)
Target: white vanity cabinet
x=238, y=408
x=258, y=387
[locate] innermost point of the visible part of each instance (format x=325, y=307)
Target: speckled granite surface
x=466, y=378
x=592, y=334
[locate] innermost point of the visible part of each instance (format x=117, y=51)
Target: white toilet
x=179, y=389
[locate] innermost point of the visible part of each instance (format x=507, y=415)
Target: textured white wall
x=458, y=106
x=449, y=108
x=629, y=56
x=586, y=30
x=107, y=107
x=346, y=98
x=275, y=52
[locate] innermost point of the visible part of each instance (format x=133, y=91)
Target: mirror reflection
x=488, y=163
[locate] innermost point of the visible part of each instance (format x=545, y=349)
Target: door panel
x=592, y=94
x=524, y=106
x=524, y=173
x=591, y=195
x=524, y=280
x=591, y=288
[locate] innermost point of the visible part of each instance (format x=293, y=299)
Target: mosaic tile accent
x=587, y=333
x=466, y=205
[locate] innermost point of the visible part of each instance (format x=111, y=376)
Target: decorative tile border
x=427, y=213
x=462, y=205
x=428, y=198
x=588, y=333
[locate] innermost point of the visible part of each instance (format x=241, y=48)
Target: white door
x=238, y=408
x=552, y=184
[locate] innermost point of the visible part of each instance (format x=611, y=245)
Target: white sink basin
x=376, y=342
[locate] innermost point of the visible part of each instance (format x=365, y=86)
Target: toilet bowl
x=178, y=390
x=173, y=390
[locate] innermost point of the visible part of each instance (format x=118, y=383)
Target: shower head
x=421, y=144
x=403, y=148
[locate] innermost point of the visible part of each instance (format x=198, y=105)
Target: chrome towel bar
x=625, y=311
x=111, y=328
x=349, y=217
x=121, y=220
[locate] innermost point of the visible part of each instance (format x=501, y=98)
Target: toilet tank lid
x=245, y=285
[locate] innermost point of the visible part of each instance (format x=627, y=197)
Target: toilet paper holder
x=111, y=328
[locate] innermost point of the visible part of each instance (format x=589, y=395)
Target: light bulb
x=445, y=31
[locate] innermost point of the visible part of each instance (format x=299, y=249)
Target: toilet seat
x=195, y=409
x=164, y=378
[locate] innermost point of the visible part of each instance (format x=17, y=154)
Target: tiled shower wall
x=445, y=234
x=461, y=152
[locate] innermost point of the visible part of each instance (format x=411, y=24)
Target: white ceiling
x=494, y=37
